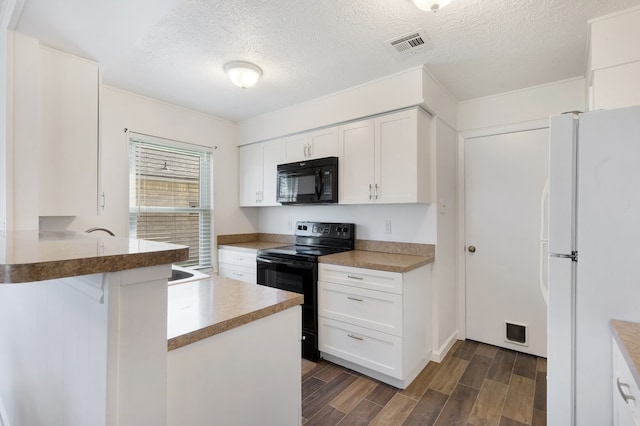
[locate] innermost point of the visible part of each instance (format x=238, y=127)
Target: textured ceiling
x=174, y=50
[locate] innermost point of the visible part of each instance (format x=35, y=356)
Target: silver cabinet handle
x=370, y=191
x=238, y=258
x=310, y=154
x=306, y=155
x=355, y=337
x=238, y=274
x=376, y=191
x=621, y=385
x=104, y=201
x=353, y=277
x=354, y=298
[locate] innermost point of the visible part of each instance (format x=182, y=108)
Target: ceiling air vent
x=410, y=43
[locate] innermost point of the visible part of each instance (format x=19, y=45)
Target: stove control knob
x=304, y=227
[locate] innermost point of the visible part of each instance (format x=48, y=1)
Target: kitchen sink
x=181, y=275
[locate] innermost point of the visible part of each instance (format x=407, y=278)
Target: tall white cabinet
x=68, y=151
x=614, y=59
x=386, y=159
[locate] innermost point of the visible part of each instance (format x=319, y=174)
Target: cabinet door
x=250, y=175
x=69, y=135
x=323, y=143
x=625, y=412
x=296, y=148
x=372, y=349
x=376, y=310
x=356, y=162
x=271, y=157
x=397, y=158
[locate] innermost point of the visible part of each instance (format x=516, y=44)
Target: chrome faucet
x=108, y=231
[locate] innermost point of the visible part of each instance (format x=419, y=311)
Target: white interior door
x=504, y=179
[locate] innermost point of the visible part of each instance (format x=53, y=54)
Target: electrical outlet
x=387, y=226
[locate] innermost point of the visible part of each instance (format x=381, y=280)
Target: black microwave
x=308, y=182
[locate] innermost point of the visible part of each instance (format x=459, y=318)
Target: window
x=170, y=192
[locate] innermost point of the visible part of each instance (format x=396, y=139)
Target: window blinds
x=170, y=188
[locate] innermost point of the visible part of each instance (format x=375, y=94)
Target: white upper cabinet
x=311, y=145
x=386, y=159
x=615, y=60
x=258, y=165
x=69, y=88
x=356, y=162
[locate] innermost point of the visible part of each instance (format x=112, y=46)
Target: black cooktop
x=303, y=251
x=314, y=239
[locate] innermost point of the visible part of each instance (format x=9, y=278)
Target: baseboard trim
x=438, y=355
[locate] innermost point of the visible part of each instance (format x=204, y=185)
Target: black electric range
x=295, y=268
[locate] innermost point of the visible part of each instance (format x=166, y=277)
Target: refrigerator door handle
x=573, y=256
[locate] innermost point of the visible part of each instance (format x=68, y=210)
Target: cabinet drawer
x=624, y=384
x=365, y=308
x=378, y=351
x=390, y=282
x=239, y=258
x=240, y=273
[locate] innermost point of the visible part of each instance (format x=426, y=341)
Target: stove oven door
x=299, y=277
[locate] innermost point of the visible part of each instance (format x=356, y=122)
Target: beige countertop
x=627, y=334
x=27, y=256
x=252, y=246
x=201, y=309
x=377, y=260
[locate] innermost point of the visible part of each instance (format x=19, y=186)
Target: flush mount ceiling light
x=431, y=5
x=242, y=74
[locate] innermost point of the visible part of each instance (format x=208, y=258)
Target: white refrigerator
x=594, y=257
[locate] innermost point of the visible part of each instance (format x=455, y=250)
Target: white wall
x=411, y=223
x=534, y=103
x=120, y=110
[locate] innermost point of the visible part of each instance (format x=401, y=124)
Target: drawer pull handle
x=353, y=277
x=354, y=298
x=238, y=258
x=626, y=397
x=238, y=274
x=355, y=337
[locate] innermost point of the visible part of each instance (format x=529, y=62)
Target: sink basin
x=177, y=275
x=181, y=275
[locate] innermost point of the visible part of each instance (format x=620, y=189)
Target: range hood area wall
x=411, y=223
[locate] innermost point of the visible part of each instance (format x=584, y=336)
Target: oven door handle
x=290, y=263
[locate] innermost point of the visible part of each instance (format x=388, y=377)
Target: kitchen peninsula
x=89, y=334
x=83, y=322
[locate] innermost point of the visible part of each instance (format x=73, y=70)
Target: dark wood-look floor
x=476, y=384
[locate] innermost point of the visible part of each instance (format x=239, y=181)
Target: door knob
x=472, y=249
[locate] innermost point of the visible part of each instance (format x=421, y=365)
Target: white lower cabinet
x=625, y=392
x=375, y=322
x=237, y=264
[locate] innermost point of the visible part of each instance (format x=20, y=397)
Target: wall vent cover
x=409, y=43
